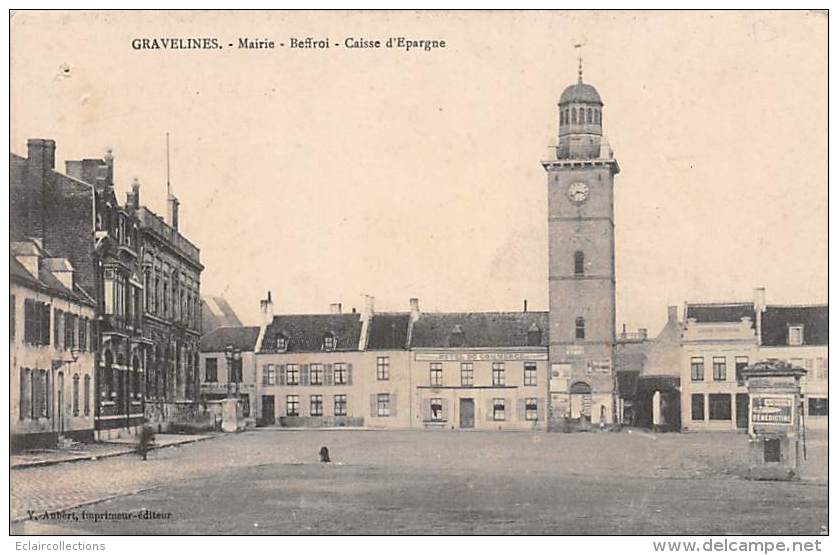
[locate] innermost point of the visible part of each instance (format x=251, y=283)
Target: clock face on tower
x=578, y=192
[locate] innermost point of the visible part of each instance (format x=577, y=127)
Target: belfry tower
x=580, y=192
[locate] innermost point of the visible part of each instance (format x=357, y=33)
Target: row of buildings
x=105, y=307
x=491, y=370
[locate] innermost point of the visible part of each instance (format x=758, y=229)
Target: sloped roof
x=47, y=283
x=777, y=319
x=242, y=338
x=388, y=331
x=305, y=332
x=216, y=312
x=480, y=329
x=720, y=312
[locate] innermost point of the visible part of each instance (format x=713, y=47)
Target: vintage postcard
x=419, y=273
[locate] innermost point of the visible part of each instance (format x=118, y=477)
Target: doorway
x=466, y=413
x=268, y=411
x=742, y=411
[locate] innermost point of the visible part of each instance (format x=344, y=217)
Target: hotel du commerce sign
x=439, y=356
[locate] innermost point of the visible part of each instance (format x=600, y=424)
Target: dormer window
x=329, y=342
x=457, y=337
x=795, y=335
x=534, y=335
x=282, y=343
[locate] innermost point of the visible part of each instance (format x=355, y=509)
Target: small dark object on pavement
x=145, y=442
x=324, y=454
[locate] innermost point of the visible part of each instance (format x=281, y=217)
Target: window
x=579, y=263
x=457, y=337
x=590, y=118
x=87, y=395
x=741, y=363
x=531, y=409
x=83, y=323
x=818, y=406
x=436, y=409
x=292, y=405
x=76, y=395
x=697, y=406
x=211, y=369
x=719, y=369
x=25, y=388
x=281, y=343
x=573, y=115
x=340, y=373
x=383, y=403
x=466, y=373
x=795, y=335
x=36, y=322
x=340, y=405
x=534, y=335
x=316, y=405
x=436, y=373
x=329, y=342
x=382, y=368
x=719, y=406
x=292, y=374
x=530, y=373
x=498, y=409
x=41, y=395
x=697, y=369
x=56, y=334
x=498, y=374
x=315, y=375
x=823, y=369
x=580, y=328
x=69, y=331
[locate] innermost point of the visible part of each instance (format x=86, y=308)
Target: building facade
x=171, y=279
x=51, y=350
x=799, y=335
x=580, y=183
x=77, y=214
x=228, y=370
x=479, y=371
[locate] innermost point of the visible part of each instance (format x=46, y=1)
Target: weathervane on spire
x=579, y=45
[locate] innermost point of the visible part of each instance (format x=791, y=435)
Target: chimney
x=759, y=308
x=172, y=204
x=672, y=313
x=132, y=199
x=414, y=309
x=525, y=305
x=97, y=172
x=267, y=308
x=40, y=161
x=335, y=308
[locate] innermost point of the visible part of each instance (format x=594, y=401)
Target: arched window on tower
x=573, y=115
x=598, y=117
x=590, y=115
x=580, y=328
x=579, y=263
x=561, y=117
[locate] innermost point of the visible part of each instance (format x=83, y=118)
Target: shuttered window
x=340, y=405
x=531, y=409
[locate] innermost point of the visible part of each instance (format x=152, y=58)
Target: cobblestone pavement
x=85, y=451
x=695, y=461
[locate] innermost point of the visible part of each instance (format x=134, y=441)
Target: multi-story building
x=78, y=215
x=580, y=189
x=51, y=350
x=799, y=335
x=119, y=293
x=484, y=370
x=721, y=339
x=171, y=274
x=308, y=364
x=228, y=370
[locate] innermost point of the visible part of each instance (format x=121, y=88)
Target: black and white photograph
x=419, y=273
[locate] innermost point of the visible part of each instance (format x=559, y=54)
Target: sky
x=326, y=174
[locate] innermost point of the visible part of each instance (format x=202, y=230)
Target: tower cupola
x=580, y=121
